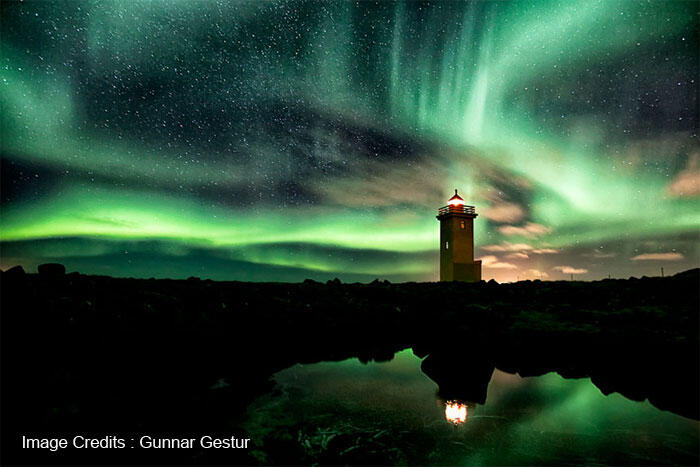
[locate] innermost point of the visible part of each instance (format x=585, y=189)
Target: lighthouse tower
x=457, y=242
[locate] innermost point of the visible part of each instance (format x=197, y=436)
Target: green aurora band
x=521, y=106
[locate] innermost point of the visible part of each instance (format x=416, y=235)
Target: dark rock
x=51, y=270
x=104, y=334
x=420, y=351
x=469, y=384
x=14, y=272
x=690, y=273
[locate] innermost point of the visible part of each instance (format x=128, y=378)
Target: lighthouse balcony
x=456, y=209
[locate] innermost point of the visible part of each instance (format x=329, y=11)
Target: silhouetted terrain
x=99, y=355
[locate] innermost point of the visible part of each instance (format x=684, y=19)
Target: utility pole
x=662, y=271
x=572, y=277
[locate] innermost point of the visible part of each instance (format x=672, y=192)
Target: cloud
x=687, y=182
x=504, y=212
x=530, y=229
x=599, y=254
x=570, y=270
x=518, y=255
x=489, y=259
x=492, y=262
x=537, y=274
x=545, y=251
x=372, y=183
x=685, y=185
x=505, y=246
x=519, y=247
x=658, y=257
x=494, y=248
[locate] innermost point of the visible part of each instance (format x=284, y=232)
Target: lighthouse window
x=461, y=224
x=447, y=245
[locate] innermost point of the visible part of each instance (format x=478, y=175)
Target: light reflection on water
x=387, y=413
x=456, y=412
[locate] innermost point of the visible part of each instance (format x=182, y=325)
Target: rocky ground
x=101, y=354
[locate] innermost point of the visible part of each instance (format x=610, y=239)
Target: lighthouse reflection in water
x=455, y=412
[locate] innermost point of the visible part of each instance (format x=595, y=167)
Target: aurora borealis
x=285, y=140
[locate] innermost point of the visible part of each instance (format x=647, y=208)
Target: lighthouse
x=457, y=242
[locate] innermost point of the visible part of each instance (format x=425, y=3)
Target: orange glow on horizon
x=455, y=412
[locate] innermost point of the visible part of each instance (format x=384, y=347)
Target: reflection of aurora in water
x=325, y=132
x=546, y=419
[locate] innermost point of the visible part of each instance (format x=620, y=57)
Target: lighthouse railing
x=458, y=209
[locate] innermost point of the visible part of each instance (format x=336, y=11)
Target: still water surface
x=388, y=413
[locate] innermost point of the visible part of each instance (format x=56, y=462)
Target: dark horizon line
x=334, y=280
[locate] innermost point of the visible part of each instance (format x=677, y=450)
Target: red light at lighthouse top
x=456, y=200
x=456, y=205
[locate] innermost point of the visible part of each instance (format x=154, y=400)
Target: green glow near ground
x=481, y=82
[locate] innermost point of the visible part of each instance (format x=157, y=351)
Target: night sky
x=292, y=140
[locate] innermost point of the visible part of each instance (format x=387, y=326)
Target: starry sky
x=284, y=140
